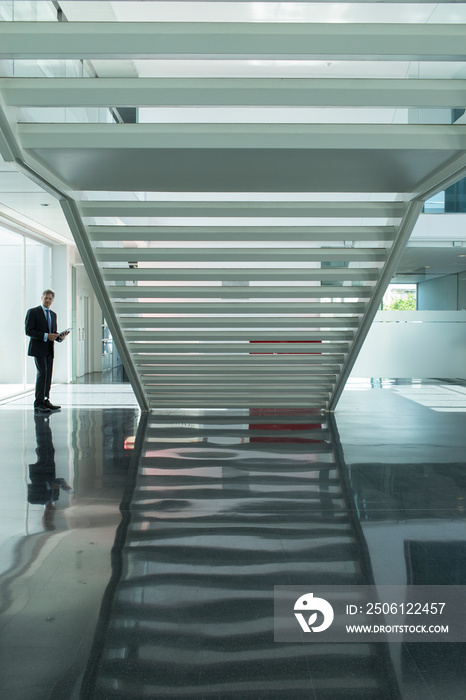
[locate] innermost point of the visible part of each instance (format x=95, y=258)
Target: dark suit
x=42, y=351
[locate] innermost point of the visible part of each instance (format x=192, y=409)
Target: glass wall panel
x=38, y=271
x=11, y=285
x=38, y=276
x=27, y=11
x=455, y=197
x=25, y=269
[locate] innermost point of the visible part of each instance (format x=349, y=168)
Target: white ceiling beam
x=225, y=209
x=292, y=92
x=182, y=336
x=240, y=307
x=194, y=293
x=423, y=137
x=225, y=401
x=163, y=384
x=358, y=274
x=241, y=233
x=312, y=382
x=242, y=389
x=201, y=390
x=217, y=377
x=228, y=370
x=202, y=255
x=315, y=363
x=326, y=353
x=142, y=40
x=207, y=323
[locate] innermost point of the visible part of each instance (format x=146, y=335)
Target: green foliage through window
x=407, y=302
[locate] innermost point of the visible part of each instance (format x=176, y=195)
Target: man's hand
x=52, y=336
x=63, y=335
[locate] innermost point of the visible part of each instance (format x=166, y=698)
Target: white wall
x=25, y=270
x=14, y=345
x=439, y=294
x=416, y=344
x=439, y=227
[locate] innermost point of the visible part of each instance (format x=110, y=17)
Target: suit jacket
x=36, y=326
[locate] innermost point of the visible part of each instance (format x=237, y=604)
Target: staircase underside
x=239, y=256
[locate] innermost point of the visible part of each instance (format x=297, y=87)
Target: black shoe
x=42, y=410
x=50, y=406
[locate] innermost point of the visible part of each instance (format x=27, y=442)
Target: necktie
x=49, y=320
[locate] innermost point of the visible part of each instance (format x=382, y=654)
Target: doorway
x=83, y=364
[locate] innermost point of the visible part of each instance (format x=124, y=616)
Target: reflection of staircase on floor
x=216, y=521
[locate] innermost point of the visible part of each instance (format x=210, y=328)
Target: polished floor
x=155, y=577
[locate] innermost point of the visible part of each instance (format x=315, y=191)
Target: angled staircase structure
x=239, y=264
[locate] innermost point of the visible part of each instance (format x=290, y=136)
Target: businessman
x=41, y=327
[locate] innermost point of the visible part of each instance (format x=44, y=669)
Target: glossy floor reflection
x=55, y=546
x=217, y=508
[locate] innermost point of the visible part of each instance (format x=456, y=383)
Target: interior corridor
x=155, y=578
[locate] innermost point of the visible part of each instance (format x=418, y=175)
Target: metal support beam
x=225, y=209
x=239, y=307
x=324, y=352
x=279, y=324
x=245, y=362
x=252, y=136
x=260, y=92
x=320, y=234
x=441, y=179
x=200, y=256
x=141, y=40
x=165, y=382
x=236, y=403
x=412, y=213
x=224, y=274
x=162, y=335
x=71, y=213
x=194, y=292
x=175, y=372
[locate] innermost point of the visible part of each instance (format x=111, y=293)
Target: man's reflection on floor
x=45, y=486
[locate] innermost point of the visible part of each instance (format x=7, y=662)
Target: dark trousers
x=43, y=378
